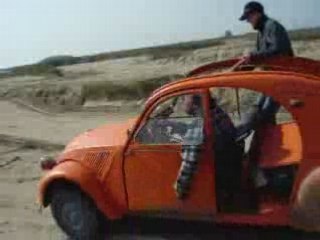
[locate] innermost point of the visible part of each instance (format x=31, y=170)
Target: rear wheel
x=75, y=213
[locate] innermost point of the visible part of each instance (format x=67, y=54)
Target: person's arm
x=191, y=149
x=190, y=159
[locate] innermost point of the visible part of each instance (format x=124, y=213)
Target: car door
x=153, y=160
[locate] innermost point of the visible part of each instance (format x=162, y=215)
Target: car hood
x=104, y=136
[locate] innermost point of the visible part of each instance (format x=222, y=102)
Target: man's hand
x=246, y=59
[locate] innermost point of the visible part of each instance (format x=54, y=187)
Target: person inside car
x=228, y=154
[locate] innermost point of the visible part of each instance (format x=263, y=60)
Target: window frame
x=147, y=113
x=239, y=111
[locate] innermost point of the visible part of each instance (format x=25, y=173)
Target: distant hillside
x=48, y=65
x=60, y=60
x=177, y=49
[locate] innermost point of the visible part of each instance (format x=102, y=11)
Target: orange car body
x=124, y=177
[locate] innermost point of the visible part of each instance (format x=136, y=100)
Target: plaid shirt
x=191, y=147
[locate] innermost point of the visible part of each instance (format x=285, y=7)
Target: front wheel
x=76, y=214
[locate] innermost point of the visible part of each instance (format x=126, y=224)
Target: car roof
x=287, y=64
x=278, y=66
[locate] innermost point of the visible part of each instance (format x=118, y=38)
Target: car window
x=171, y=119
x=226, y=98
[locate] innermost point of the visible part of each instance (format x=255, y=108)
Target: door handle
x=296, y=103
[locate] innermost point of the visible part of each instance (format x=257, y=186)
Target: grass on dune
x=132, y=90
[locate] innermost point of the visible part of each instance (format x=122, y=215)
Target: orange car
x=131, y=168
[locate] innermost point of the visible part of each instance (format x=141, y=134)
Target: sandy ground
x=20, y=217
x=55, y=128
x=25, y=136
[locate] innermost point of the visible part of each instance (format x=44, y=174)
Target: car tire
x=76, y=213
x=306, y=212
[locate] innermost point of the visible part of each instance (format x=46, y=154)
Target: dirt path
x=19, y=216
x=59, y=128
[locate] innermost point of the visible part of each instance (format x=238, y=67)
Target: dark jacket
x=272, y=40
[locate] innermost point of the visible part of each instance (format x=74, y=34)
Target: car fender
x=78, y=174
x=306, y=211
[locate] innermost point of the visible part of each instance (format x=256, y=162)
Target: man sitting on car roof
x=272, y=40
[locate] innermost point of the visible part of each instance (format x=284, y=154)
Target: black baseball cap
x=251, y=7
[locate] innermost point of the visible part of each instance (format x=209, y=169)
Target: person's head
x=252, y=13
x=191, y=104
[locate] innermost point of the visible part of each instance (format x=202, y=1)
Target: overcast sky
x=35, y=29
